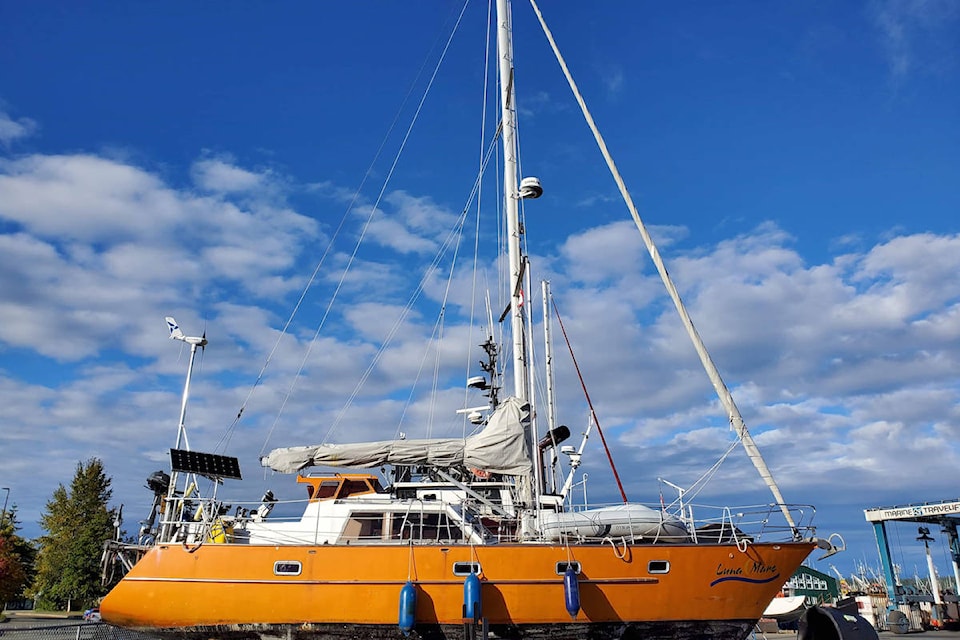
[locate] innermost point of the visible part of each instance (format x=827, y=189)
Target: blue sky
x=798, y=164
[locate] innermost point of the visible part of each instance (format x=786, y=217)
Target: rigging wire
x=700, y=483
x=476, y=238
x=726, y=398
x=478, y=192
x=439, y=332
x=525, y=274
x=413, y=387
x=373, y=209
x=392, y=332
x=225, y=438
x=434, y=265
x=456, y=233
x=593, y=414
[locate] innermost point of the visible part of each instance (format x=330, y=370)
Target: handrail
x=457, y=520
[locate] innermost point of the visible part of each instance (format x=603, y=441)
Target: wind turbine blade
x=175, y=333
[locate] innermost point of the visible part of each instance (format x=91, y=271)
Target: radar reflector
x=206, y=464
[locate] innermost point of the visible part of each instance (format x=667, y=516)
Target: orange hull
x=235, y=586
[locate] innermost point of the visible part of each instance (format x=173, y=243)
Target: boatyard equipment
x=944, y=610
x=828, y=623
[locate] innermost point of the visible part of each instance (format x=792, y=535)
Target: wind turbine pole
x=167, y=530
x=182, y=427
x=176, y=334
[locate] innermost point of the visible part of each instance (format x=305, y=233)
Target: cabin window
x=351, y=487
x=658, y=566
x=489, y=493
x=465, y=568
x=363, y=526
x=287, y=568
x=424, y=526
x=562, y=567
x=327, y=489
x=397, y=525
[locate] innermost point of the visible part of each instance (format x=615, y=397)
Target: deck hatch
x=658, y=566
x=287, y=568
x=465, y=568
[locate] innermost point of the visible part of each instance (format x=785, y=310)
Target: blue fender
x=571, y=592
x=472, y=601
x=408, y=607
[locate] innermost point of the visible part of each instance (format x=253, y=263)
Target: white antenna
x=194, y=342
x=177, y=334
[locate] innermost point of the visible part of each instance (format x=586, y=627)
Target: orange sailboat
x=471, y=537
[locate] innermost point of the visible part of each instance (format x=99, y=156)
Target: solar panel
x=206, y=464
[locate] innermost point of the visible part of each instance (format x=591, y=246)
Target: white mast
x=513, y=191
x=548, y=355
x=533, y=437
x=551, y=406
x=508, y=116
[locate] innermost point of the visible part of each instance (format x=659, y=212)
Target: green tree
x=12, y=575
x=17, y=558
x=77, y=523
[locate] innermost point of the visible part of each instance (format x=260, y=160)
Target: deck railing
x=431, y=521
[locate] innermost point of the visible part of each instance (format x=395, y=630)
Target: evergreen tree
x=17, y=559
x=77, y=523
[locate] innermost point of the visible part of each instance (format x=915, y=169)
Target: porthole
x=562, y=567
x=465, y=568
x=658, y=566
x=287, y=568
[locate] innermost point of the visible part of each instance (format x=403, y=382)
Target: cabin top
x=339, y=485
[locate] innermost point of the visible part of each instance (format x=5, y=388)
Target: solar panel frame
x=210, y=465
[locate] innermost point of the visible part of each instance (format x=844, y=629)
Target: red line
x=593, y=414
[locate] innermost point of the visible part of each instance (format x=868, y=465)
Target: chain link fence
x=75, y=631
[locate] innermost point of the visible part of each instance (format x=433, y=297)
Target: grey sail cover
x=499, y=448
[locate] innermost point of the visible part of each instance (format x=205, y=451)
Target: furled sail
x=499, y=448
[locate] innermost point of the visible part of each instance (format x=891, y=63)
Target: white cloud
x=916, y=34
x=611, y=251
x=224, y=177
x=391, y=232
x=11, y=130
x=613, y=80
x=812, y=353
x=86, y=198
x=99, y=245
x=536, y=103
x=409, y=224
x=597, y=198
x=854, y=362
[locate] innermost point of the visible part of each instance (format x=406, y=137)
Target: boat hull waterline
x=232, y=591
